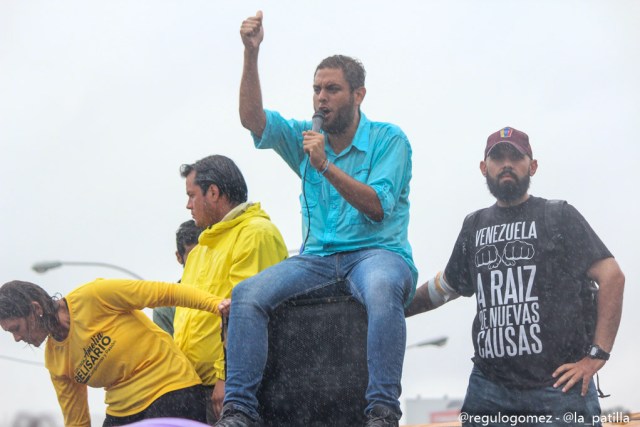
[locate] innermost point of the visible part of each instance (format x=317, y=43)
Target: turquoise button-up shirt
x=379, y=156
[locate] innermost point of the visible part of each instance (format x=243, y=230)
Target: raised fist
x=252, y=32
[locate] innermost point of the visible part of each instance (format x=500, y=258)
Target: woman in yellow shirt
x=97, y=336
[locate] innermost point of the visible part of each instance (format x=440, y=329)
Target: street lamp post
x=43, y=267
x=437, y=342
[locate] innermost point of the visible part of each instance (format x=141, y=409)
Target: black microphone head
x=317, y=121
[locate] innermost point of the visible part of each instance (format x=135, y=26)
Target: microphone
x=317, y=121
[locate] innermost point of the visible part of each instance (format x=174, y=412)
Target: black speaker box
x=316, y=373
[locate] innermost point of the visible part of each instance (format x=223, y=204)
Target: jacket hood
x=247, y=211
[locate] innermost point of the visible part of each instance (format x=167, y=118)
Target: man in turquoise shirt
x=379, y=156
x=355, y=215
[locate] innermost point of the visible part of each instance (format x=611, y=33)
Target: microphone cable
x=306, y=204
x=317, y=121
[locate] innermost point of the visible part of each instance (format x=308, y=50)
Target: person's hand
x=570, y=374
x=252, y=32
x=217, y=398
x=313, y=145
x=225, y=307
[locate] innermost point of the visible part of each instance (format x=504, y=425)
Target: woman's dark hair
x=222, y=172
x=16, y=298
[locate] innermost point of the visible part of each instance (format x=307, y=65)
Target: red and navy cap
x=518, y=140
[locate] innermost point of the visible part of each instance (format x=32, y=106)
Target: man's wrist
x=251, y=52
x=324, y=167
x=596, y=352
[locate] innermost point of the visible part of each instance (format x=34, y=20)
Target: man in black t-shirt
x=530, y=267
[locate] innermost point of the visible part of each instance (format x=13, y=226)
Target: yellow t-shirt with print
x=113, y=345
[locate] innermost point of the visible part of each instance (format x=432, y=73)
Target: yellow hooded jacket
x=244, y=243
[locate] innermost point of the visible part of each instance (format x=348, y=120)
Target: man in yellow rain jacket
x=239, y=241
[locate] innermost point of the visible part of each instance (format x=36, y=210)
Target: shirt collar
x=361, y=138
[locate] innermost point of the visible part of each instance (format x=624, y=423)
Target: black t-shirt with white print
x=529, y=319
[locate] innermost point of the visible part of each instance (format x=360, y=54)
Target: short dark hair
x=222, y=172
x=16, y=299
x=352, y=69
x=187, y=234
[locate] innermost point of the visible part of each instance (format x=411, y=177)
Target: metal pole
x=43, y=267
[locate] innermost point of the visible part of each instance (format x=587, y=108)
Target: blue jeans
x=377, y=278
x=496, y=405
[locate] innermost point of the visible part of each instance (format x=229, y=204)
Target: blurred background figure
x=186, y=239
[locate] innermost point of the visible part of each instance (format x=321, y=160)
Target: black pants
x=189, y=403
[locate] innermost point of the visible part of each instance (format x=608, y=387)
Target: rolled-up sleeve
x=391, y=172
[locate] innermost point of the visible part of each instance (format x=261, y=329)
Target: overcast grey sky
x=100, y=103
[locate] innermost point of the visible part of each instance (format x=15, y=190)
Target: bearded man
x=541, y=332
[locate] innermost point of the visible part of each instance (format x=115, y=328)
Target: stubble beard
x=343, y=119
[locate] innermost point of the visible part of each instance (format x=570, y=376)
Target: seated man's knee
x=384, y=294
x=244, y=291
x=389, y=280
